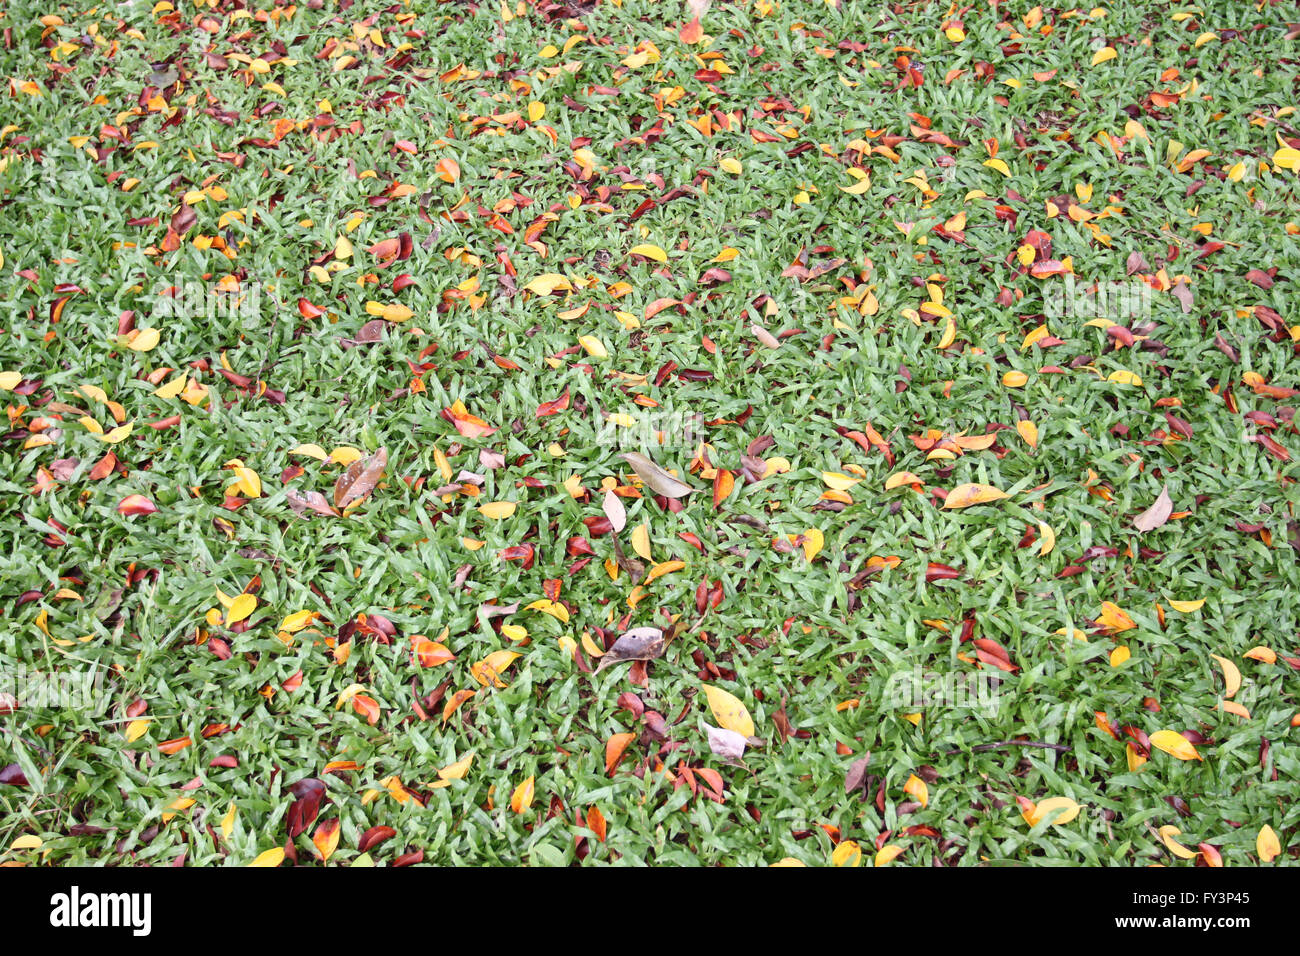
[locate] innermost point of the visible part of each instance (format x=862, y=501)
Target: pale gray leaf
x=615, y=511
x=656, y=479
x=1157, y=514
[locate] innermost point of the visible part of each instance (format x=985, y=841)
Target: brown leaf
x=1136, y=263
x=360, y=478
x=634, y=567
x=301, y=501
x=638, y=644
x=857, y=774
x=656, y=479
x=1157, y=514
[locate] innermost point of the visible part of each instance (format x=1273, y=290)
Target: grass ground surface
x=816, y=260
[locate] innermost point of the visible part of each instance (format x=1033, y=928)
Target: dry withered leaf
x=656, y=479
x=360, y=478
x=1157, y=514
x=614, y=511
x=634, y=567
x=304, y=501
x=638, y=644
x=857, y=774
x=725, y=743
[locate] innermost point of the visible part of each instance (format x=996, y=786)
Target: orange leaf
x=614, y=748
x=596, y=823
x=448, y=170
x=367, y=707
x=454, y=702
x=723, y=482
x=963, y=496
x=522, y=798
x=326, y=839
x=1113, y=618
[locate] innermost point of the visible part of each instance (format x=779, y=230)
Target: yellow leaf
x=593, y=346
x=1049, y=538
x=536, y=110
x=847, y=853
x=270, y=858
x=1167, y=834
x=1174, y=744
x=455, y=771
x=1124, y=377
x=295, y=622
x=1015, y=379
x=1267, y=844
x=949, y=335
x=839, y=481
x=1040, y=332
x=547, y=283
x=28, y=841
x=813, y=542
x=1134, y=759
x=136, y=729
x=1119, y=655
x=144, y=340
x=900, y=478
x=553, y=608
x=172, y=388
x=650, y=252
x=10, y=380
x=999, y=165
x=489, y=669
x=887, y=854
x=728, y=711
x=1287, y=158
x=1187, y=607
x=1028, y=431
x=733, y=166
x=787, y=861
x=1231, y=675
x=641, y=541
x=1113, y=618
x=1044, y=809
x=915, y=787
x=1104, y=54
x=118, y=434
x=963, y=496
x=240, y=608
x=497, y=510
x=228, y=821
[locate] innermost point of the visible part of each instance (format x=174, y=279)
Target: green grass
x=127, y=597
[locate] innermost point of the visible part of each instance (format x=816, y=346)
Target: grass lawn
x=923, y=382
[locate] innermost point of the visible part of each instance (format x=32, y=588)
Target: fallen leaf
x=1157, y=514
x=655, y=478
